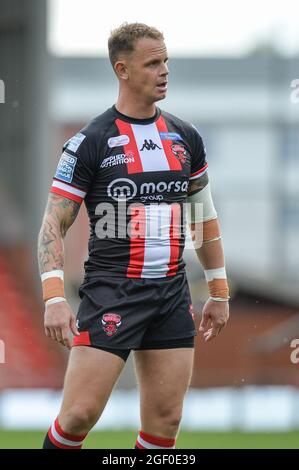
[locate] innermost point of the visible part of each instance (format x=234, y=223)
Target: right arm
x=59, y=215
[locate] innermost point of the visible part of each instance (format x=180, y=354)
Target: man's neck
x=135, y=110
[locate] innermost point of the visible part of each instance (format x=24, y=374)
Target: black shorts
x=119, y=314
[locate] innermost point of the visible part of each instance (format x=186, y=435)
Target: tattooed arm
x=59, y=215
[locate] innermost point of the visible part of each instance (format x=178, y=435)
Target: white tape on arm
x=203, y=197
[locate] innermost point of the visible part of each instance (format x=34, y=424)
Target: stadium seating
x=31, y=359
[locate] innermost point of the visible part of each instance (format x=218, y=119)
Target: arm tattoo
x=59, y=215
x=198, y=184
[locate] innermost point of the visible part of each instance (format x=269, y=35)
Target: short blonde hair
x=123, y=38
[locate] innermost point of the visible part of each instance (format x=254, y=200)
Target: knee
x=77, y=419
x=169, y=418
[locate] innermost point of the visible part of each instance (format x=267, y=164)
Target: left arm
x=206, y=235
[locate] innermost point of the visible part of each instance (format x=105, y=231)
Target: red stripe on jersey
x=199, y=171
x=70, y=437
x=137, y=241
x=173, y=162
x=58, y=444
x=61, y=192
x=82, y=340
x=174, y=237
x=157, y=441
x=131, y=147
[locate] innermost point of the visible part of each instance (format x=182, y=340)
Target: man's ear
x=121, y=70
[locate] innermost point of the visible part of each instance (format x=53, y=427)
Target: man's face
x=147, y=70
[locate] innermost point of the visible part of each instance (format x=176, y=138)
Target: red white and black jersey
x=133, y=175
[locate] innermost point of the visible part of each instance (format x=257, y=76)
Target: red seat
x=31, y=359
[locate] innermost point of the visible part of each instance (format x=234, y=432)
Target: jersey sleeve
x=199, y=163
x=76, y=168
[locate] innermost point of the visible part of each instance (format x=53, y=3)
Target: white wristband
x=218, y=273
x=55, y=300
x=54, y=273
x=219, y=299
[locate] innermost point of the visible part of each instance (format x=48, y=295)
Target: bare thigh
x=90, y=377
x=164, y=377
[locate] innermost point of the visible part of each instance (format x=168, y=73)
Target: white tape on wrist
x=55, y=300
x=217, y=273
x=219, y=299
x=54, y=273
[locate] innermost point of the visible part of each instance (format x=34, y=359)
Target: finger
x=73, y=326
x=58, y=335
x=65, y=338
x=210, y=336
x=66, y=342
x=207, y=334
x=204, y=322
x=220, y=328
x=213, y=332
x=52, y=334
x=47, y=332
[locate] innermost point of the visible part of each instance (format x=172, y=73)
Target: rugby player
x=135, y=167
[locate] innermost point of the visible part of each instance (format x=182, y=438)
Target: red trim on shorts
x=82, y=340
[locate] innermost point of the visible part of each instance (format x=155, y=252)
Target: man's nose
x=165, y=70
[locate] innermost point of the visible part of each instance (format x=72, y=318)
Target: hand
x=59, y=321
x=214, y=314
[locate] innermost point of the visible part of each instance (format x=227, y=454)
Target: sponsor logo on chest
x=122, y=158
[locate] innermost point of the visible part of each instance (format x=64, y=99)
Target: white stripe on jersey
x=68, y=188
x=153, y=159
x=157, y=241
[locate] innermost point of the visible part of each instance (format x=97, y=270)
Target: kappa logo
x=122, y=189
x=149, y=145
x=111, y=322
x=180, y=152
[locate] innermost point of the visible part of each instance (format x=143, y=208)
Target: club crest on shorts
x=179, y=151
x=111, y=322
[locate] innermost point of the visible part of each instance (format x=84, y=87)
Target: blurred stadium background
x=244, y=391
